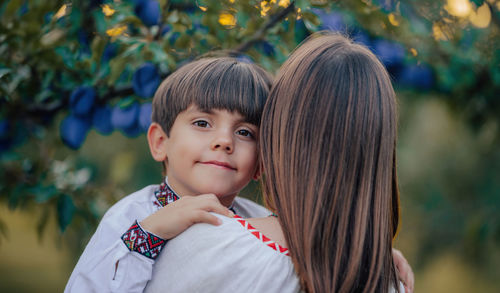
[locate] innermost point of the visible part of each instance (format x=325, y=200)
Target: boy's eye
x=201, y=123
x=244, y=132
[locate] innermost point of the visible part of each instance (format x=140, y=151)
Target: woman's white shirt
x=232, y=257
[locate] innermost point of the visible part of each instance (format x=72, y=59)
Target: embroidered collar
x=166, y=195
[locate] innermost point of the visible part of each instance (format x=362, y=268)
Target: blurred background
x=77, y=79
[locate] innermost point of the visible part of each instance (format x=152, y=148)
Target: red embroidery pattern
x=261, y=236
x=143, y=242
x=165, y=195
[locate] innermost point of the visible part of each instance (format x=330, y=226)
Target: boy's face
x=211, y=152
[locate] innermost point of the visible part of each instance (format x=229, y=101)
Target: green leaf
x=44, y=193
x=311, y=21
x=159, y=55
x=133, y=50
x=22, y=74
x=177, y=27
x=97, y=48
x=42, y=223
x=4, y=71
x=15, y=196
x=183, y=41
x=311, y=17
x=52, y=37
x=125, y=102
x=173, y=17
x=302, y=4
x=11, y=9
x=65, y=211
x=117, y=66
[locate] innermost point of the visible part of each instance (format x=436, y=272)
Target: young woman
x=328, y=138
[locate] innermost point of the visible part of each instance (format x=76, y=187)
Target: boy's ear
x=258, y=171
x=157, y=140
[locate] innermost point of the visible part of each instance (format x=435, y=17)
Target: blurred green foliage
x=49, y=50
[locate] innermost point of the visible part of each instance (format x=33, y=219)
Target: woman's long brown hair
x=328, y=137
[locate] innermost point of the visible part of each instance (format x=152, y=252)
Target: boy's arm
x=113, y=263
x=176, y=217
x=97, y=270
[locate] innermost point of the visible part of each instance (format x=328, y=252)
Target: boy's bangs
x=212, y=83
x=229, y=85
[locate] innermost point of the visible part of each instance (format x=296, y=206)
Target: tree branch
x=54, y=107
x=268, y=25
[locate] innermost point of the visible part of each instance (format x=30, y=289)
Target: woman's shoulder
x=256, y=235
x=225, y=258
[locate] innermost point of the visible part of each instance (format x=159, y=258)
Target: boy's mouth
x=219, y=164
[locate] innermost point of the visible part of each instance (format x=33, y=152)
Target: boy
x=206, y=118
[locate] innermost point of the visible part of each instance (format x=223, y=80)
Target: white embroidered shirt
x=97, y=269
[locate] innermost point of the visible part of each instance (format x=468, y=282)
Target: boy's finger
x=411, y=281
x=205, y=217
x=407, y=274
x=218, y=208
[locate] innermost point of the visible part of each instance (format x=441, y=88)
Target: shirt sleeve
x=120, y=255
x=143, y=242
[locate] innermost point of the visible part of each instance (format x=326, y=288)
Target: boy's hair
x=328, y=140
x=212, y=83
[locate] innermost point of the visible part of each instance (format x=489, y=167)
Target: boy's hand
x=174, y=218
x=404, y=271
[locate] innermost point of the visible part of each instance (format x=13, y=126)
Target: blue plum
x=146, y=80
x=83, y=40
x=361, y=37
x=133, y=131
x=164, y=29
x=148, y=11
x=333, y=21
x=82, y=100
x=145, y=116
x=23, y=9
x=109, y=52
x=73, y=131
x=4, y=128
x=416, y=76
x=389, y=52
x=102, y=120
x=125, y=117
x=267, y=48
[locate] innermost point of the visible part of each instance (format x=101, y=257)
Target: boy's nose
x=223, y=142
